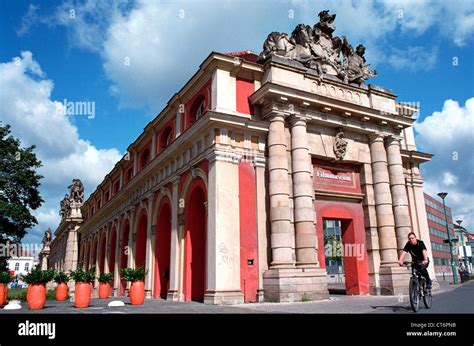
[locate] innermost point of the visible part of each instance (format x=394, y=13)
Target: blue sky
x=75, y=50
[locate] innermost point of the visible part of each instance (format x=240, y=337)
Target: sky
x=126, y=59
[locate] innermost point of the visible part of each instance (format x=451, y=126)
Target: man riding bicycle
x=419, y=255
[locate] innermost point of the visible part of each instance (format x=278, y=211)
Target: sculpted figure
x=357, y=71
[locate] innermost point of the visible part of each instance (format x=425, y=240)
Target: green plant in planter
x=130, y=274
x=83, y=275
x=61, y=277
x=5, y=277
x=106, y=278
x=38, y=276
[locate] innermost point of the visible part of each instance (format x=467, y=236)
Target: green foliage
x=83, y=275
x=5, y=277
x=17, y=294
x=106, y=278
x=19, y=185
x=130, y=274
x=305, y=298
x=61, y=277
x=38, y=276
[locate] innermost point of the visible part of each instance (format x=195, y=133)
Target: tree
x=19, y=193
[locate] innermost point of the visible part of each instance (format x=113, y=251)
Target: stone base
x=223, y=297
x=295, y=284
x=394, y=280
x=115, y=292
x=173, y=296
x=148, y=294
x=260, y=296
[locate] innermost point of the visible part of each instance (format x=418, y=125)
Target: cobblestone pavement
x=335, y=304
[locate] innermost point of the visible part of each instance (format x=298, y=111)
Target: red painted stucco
x=195, y=243
x=248, y=232
x=124, y=255
x=353, y=232
x=140, y=249
x=112, y=243
x=244, y=88
x=162, y=249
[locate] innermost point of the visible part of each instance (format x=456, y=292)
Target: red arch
x=195, y=243
x=87, y=255
x=124, y=255
x=94, y=252
x=351, y=216
x=102, y=253
x=112, y=244
x=163, y=249
x=140, y=248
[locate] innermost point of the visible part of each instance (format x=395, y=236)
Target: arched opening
x=144, y=158
x=166, y=137
x=124, y=255
x=102, y=254
x=87, y=255
x=112, y=244
x=94, y=252
x=140, y=248
x=163, y=250
x=197, y=109
x=195, y=245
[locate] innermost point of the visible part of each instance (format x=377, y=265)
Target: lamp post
x=461, y=230
x=453, y=267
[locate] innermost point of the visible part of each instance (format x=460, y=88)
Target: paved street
x=448, y=299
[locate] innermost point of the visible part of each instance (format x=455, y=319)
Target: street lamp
x=443, y=195
x=461, y=230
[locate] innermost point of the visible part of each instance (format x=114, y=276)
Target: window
x=166, y=137
x=17, y=266
x=198, y=109
x=144, y=158
x=116, y=187
x=27, y=266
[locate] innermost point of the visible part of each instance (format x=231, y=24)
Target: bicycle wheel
x=414, y=295
x=427, y=298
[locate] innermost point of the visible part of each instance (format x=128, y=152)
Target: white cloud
x=449, y=135
x=26, y=104
x=413, y=58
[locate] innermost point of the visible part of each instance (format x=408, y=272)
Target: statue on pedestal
x=317, y=49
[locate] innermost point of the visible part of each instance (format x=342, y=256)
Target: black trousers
x=424, y=272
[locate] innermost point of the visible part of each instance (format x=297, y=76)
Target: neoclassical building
x=256, y=171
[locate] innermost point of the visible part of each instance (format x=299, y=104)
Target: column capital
x=295, y=119
x=376, y=136
x=393, y=139
x=175, y=180
x=276, y=115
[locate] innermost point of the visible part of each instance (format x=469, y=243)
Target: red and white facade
x=224, y=195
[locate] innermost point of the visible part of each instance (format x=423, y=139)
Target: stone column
x=223, y=232
x=284, y=282
x=116, y=269
x=383, y=201
x=393, y=279
x=149, y=248
x=262, y=235
x=173, y=292
x=282, y=254
x=399, y=193
x=305, y=239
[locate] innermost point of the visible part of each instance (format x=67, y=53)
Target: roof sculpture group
x=318, y=50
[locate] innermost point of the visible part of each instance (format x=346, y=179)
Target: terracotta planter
x=3, y=294
x=36, y=296
x=137, y=292
x=82, y=294
x=104, y=290
x=61, y=291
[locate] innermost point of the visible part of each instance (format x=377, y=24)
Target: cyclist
x=419, y=255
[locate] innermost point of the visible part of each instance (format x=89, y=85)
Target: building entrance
x=334, y=259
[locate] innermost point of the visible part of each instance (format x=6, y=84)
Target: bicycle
x=417, y=289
